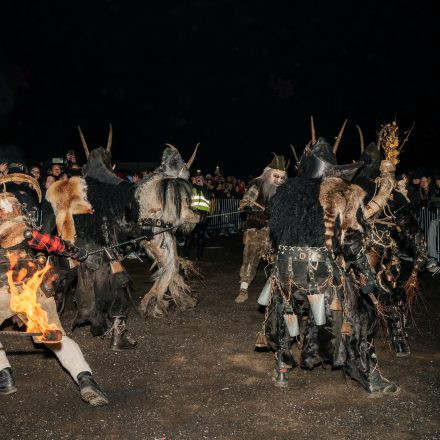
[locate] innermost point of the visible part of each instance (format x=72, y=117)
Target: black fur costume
x=100, y=294
x=296, y=219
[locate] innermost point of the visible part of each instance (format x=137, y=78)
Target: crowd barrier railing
x=429, y=222
x=226, y=218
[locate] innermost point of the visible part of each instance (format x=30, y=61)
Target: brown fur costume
x=68, y=197
x=338, y=196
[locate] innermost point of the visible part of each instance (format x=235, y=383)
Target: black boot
x=120, y=340
x=281, y=371
x=7, y=381
x=396, y=324
x=377, y=385
x=90, y=391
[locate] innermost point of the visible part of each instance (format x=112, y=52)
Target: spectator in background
x=435, y=195
x=136, y=177
x=424, y=190
x=55, y=170
x=4, y=169
x=49, y=180
x=36, y=172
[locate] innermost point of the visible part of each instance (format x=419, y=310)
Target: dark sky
x=241, y=77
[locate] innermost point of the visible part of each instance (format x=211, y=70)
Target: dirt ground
x=196, y=375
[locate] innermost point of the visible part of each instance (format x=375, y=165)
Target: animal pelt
x=295, y=214
x=167, y=199
x=114, y=217
x=342, y=199
x=68, y=198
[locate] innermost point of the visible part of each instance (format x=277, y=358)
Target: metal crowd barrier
x=429, y=222
x=230, y=221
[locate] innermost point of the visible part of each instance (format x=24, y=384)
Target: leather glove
x=247, y=208
x=82, y=254
x=72, y=251
x=148, y=234
x=202, y=215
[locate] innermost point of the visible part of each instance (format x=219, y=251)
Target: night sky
x=240, y=77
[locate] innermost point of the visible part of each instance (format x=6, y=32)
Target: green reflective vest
x=199, y=201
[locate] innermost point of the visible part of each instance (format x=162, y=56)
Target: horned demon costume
x=102, y=285
x=16, y=241
x=256, y=238
x=321, y=273
x=393, y=232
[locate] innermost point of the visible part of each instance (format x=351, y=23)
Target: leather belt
x=297, y=253
x=154, y=222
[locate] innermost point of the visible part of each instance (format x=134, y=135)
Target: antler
x=312, y=125
x=338, y=139
x=110, y=137
x=19, y=177
x=361, y=137
x=84, y=143
x=191, y=159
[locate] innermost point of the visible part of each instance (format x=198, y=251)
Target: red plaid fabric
x=46, y=242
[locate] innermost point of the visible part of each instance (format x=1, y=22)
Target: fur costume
x=316, y=224
x=68, y=198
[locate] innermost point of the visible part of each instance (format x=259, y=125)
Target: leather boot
x=120, y=340
x=377, y=385
x=7, y=381
x=242, y=296
x=398, y=335
x=90, y=391
x=281, y=371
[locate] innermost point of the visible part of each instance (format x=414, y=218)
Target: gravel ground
x=195, y=375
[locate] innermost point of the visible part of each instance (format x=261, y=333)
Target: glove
x=148, y=234
x=72, y=251
x=247, y=208
x=82, y=254
x=202, y=215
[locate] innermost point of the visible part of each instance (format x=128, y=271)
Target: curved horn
x=84, y=143
x=288, y=164
x=276, y=158
x=173, y=148
x=377, y=203
x=110, y=137
x=22, y=178
x=191, y=159
x=294, y=153
x=361, y=138
x=312, y=125
x=338, y=139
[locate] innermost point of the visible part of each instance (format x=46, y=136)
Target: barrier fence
x=429, y=222
x=231, y=222
x=227, y=220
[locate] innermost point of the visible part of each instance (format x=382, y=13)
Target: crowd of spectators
x=424, y=188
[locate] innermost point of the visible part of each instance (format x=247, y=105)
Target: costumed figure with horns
x=393, y=233
x=26, y=294
x=321, y=273
x=103, y=286
x=164, y=201
x=256, y=238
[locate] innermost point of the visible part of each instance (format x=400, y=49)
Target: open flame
x=24, y=298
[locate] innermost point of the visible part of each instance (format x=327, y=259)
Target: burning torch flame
x=25, y=300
